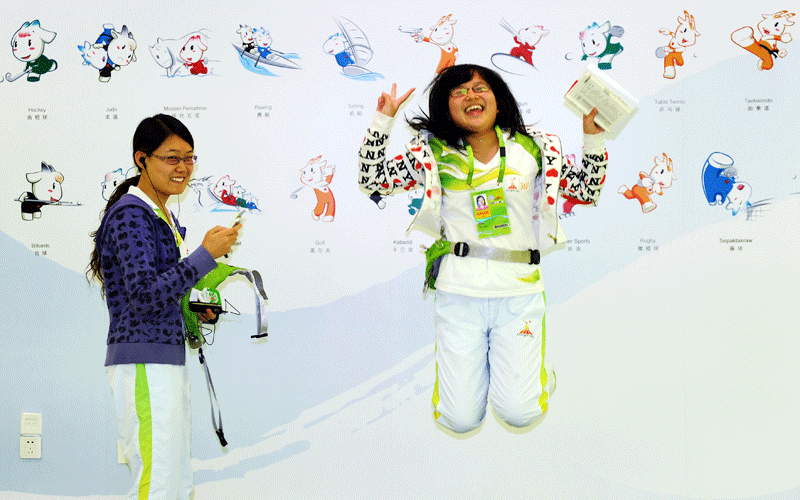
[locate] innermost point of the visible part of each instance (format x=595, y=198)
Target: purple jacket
x=145, y=280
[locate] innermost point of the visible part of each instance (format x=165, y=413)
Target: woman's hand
x=388, y=104
x=589, y=126
x=207, y=317
x=219, y=240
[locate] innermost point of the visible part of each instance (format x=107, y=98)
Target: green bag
x=433, y=258
x=212, y=280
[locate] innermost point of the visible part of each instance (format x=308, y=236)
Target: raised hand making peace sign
x=388, y=104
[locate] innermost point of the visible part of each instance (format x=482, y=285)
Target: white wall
x=673, y=332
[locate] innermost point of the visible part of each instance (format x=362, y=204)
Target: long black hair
x=438, y=120
x=150, y=134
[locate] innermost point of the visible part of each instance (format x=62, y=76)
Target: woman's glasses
x=480, y=88
x=174, y=160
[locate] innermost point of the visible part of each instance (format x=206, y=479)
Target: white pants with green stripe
x=490, y=348
x=152, y=405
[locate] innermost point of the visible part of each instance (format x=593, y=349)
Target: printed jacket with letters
x=417, y=168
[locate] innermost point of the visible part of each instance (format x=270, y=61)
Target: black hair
x=150, y=134
x=438, y=120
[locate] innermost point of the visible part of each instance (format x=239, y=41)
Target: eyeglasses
x=480, y=88
x=174, y=160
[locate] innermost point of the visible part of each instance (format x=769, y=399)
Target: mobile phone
x=236, y=219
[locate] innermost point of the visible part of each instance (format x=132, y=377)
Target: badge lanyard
x=491, y=219
x=184, y=251
x=471, y=158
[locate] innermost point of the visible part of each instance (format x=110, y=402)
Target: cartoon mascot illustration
x=28, y=45
x=772, y=29
x=659, y=178
x=318, y=175
x=685, y=35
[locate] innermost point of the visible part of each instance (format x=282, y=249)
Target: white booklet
x=595, y=89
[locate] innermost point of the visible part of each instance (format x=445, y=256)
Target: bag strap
x=212, y=396
x=254, y=277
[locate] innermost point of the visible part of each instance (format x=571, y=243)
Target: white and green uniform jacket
x=430, y=164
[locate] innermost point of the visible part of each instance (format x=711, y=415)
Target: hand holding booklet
x=614, y=104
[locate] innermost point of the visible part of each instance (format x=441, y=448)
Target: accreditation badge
x=491, y=213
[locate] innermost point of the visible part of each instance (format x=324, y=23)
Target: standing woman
x=490, y=305
x=145, y=268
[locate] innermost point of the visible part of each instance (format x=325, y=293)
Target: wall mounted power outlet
x=30, y=423
x=30, y=447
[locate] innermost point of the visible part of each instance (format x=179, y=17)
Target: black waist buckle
x=536, y=257
x=461, y=249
